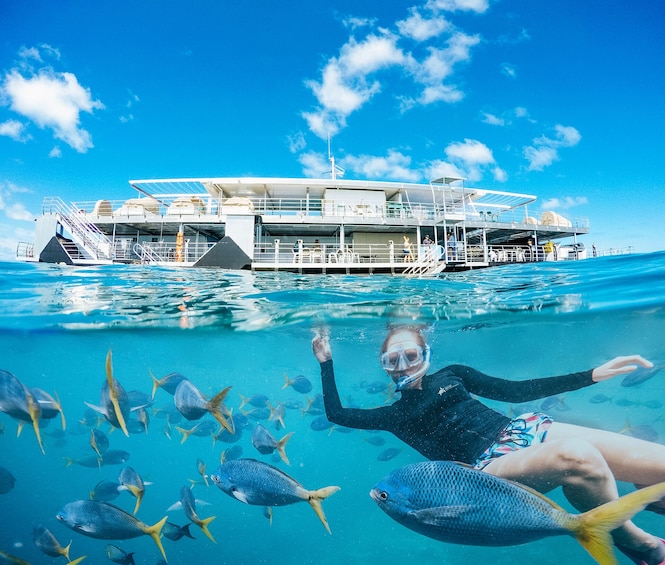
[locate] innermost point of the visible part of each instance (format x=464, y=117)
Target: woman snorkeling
x=437, y=415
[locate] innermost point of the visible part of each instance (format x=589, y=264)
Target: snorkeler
x=437, y=416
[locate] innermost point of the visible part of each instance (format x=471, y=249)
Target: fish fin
x=203, y=524
x=441, y=515
x=593, y=528
x=239, y=495
x=287, y=383
x=281, y=447
x=315, y=499
x=113, y=394
x=155, y=384
x=155, y=532
x=77, y=560
x=214, y=408
x=97, y=409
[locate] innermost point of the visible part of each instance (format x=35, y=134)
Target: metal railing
x=91, y=241
x=188, y=206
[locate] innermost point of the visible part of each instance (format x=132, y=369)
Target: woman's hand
x=321, y=345
x=619, y=366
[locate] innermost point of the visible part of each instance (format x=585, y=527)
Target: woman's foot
x=655, y=556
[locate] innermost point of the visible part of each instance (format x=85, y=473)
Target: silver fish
x=457, y=504
x=114, y=402
x=265, y=443
x=191, y=403
x=17, y=401
x=189, y=506
x=105, y=491
x=119, y=555
x=169, y=383
x=50, y=406
x=257, y=483
x=102, y=520
x=174, y=532
x=131, y=481
x=48, y=544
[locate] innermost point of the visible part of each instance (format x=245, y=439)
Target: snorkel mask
x=408, y=357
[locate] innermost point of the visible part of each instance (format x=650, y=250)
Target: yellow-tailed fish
x=189, y=506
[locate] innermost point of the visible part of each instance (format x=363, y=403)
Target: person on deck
x=438, y=416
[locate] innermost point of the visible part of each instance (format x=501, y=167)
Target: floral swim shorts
x=523, y=431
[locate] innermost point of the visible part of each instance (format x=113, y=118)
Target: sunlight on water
x=252, y=332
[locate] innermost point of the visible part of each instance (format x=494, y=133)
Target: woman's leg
x=630, y=459
x=579, y=467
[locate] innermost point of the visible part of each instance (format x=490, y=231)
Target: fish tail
x=155, y=532
x=287, y=383
x=315, y=499
x=62, y=414
x=593, y=527
x=69, y=461
x=185, y=433
x=76, y=561
x=156, y=383
x=64, y=551
x=35, y=413
x=114, y=395
x=185, y=531
x=139, y=498
x=214, y=406
x=203, y=524
x=281, y=447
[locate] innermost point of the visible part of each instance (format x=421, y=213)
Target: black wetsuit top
x=442, y=421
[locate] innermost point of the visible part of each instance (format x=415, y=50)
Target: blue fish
x=169, y=383
x=188, y=503
x=640, y=375
x=175, y=532
x=454, y=503
x=300, y=384
x=257, y=483
x=389, y=453
x=265, y=443
x=102, y=520
x=119, y=555
x=191, y=403
x=47, y=543
x=114, y=402
x=7, y=481
x=17, y=401
x=105, y=491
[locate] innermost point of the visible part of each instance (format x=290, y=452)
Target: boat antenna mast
x=335, y=170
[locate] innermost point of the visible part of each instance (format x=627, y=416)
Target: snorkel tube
x=407, y=380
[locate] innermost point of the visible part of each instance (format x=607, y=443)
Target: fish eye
x=383, y=495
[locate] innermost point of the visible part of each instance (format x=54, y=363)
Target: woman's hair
x=416, y=330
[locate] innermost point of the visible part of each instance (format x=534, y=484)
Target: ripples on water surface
x=249, y=330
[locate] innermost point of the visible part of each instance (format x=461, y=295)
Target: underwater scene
x=217, y=366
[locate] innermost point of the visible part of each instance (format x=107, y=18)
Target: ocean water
x=250, y=331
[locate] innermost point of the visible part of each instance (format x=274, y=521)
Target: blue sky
x=563, y=100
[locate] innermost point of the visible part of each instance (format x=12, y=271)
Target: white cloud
x=296, y=142
x=509, y=70
x=14, y=129
x=314, y=165
x=354, y=23
x=492, y=120
x=421, y=28
x=521, y=112
x=540, y=157
x=394, y=166
x=56, y=152
x=51, y=99
x=10, y=207
x=544, y=150
x=478, y=6
x=564, y=203
x=470, y=160
x=352, y=79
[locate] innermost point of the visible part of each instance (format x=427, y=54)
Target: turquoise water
x=248, y=331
